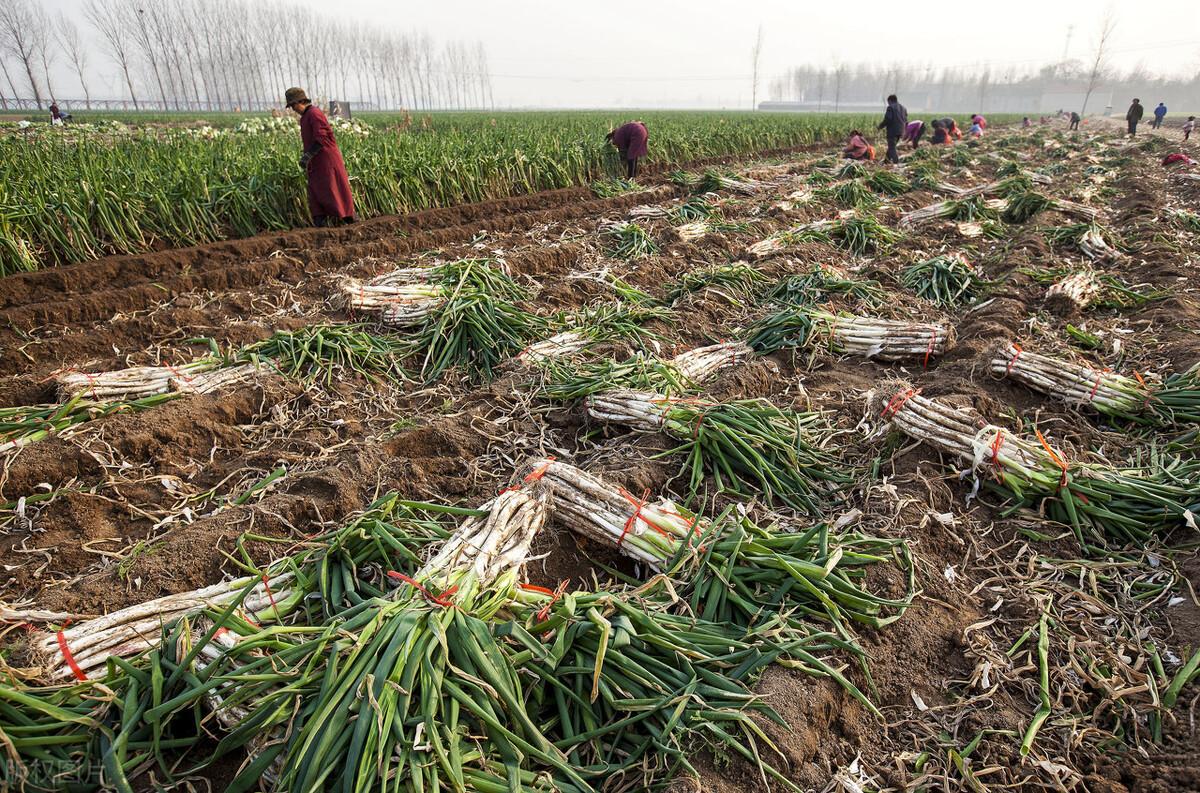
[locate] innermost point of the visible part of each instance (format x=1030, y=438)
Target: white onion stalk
x=1075, y=210
x=208, y=382
x=795, y=199
x=641, y=410
x=942, y=209
x=1070, y=382
x=927, y=213
x=490, y=546
x=702, y=363
x=968, y=437
x=137, y=628
x=399, y=304
x=647, y=212
x=559, y=345
x=132, y=383
x=1093, y=245
x=742, y=186
x=610, y=515
x=1080, y=288
x=692, y=231
x=884, y=339
x=781, y=240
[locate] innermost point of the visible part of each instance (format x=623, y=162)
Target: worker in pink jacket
x=630, y=139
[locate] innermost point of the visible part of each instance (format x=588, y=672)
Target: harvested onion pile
x=749, y=446
x=868, y=337
x=132, y=383
x=1081, y=289
x=1130, y=504
x=1075, y=384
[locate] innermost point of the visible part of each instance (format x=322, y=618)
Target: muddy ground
x=136, y=505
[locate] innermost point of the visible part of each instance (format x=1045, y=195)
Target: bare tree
x=755, y=55
x=839, y=76
x=67, y=34
x=1099, y=62
x=21, y=33
x=105, y=16
x=8, y=79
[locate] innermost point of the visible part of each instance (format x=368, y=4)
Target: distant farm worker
x=1134, y=115
x=895, y=119
x=630, y=139
x=329, y=195
x=1074, y=120
x=980, y=120
x=1160, y=113
x=941, y=135
x=1188, y=126
x=913, y=132
x=1026, y=123
x=952, y=128
x=976, y=130
x=857, y=148
x=57, y=117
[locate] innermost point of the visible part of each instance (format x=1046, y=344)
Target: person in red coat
x=630, y=140
x=328, y=183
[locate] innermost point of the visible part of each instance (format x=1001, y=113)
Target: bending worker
x=329, y=194
x=895, y=119
x=913, y=132
x=857, y=148
x=951, y=127
x=630, y=139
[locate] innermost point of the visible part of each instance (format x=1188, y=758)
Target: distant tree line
x=227, y=54
x=841, y=85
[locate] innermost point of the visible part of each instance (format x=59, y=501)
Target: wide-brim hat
x=294, y=95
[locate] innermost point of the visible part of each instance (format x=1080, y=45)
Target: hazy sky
x=696, y=53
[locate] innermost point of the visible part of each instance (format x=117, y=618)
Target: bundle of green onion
x=628, y=241
x=887, y=182
x=969, y=208
x=730, y=569
x=817, y=231
x=823, y=282
x=737, y=277
x=1073, y=383
x=746, y=445
x=713, y=181
x=1130, y=504
x=325, y=352
x=1175, y=401
x=869, y=337
x=850, y=195
x=129, y=384
x=946, y=280
x=1025, y=204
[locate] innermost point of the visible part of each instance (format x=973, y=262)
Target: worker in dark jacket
x=895, y=119
x=328, y=183
x=630, y=139
x=1134, y=115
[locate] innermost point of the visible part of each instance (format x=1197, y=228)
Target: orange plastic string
x=442, y=600
x=1062, y=482
x=897, y=402
x=1014, y=358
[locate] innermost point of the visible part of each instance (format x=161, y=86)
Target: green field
x=101, y=188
